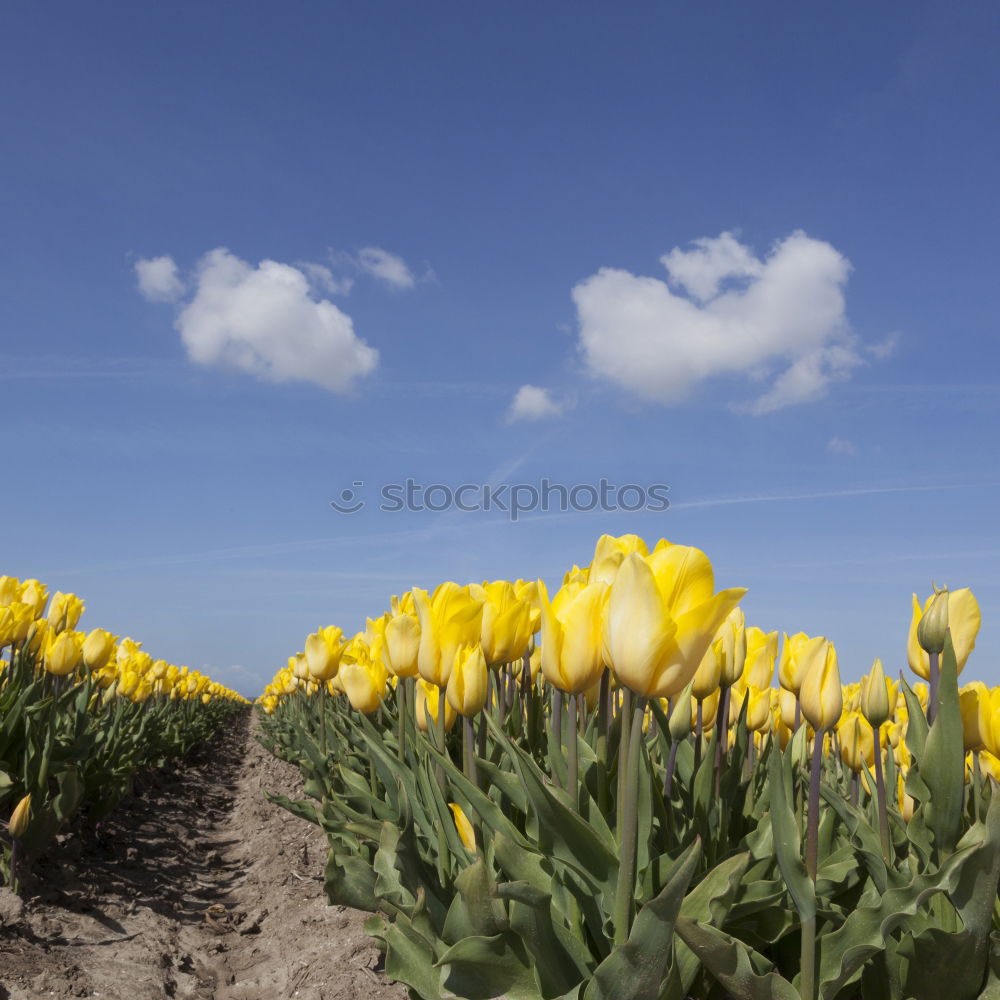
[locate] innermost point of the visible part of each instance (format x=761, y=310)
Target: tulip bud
x=821, y=696
x=402, y=644
x=97, y=648
x=469, y=681
x=933, y=626
x=709, y=673
x=429, y=701
x=465, y=832
x=20, y=817
x=680, y=717
x=875, y=697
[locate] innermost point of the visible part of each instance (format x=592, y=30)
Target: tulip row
x=80, y=714
x=629, y=808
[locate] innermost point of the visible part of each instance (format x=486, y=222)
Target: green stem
x=572, y=755
x=625, y=890
x=932, y=687
x=883, y=812
x=557, y=718
x=623, y=748
x=322, y=719
x=602, y=743
x=721, y=735
x=468, y=746
x=812, y=816
x=698, y=727
x=807, y=982
x=977, y=780
x=401, y=718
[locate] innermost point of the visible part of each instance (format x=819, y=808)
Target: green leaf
x=961, y=959
x=743, y=972
x=843, y=952
x=478, y=968
x=635, y=970
x=787, y=845
x=943, y=763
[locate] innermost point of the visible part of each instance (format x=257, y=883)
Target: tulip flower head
x=661, y=618
x=821, y=695
x=958, y=611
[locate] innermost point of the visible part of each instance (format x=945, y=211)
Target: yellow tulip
x=661, y=618
x=36, y=595
x=506, y=626
x=10, y=590
x=402, y=644
x=878, y=696
x=963, y=619
x=527, y=590
x=429, y=701
x=63, y=652
x=64, y=611
x=762, y=651
x=465, y=832
x=323, y=652
x=571, y=655
x=976, y=706
x=97, y=648
x=608, y=555
x=365, y=679
x=791, y=671
x=16, y=621
x=709, y=673
x=469, y=681
x=20, y=817
x=732, y=641
x=787, y=703
x=758, y=709
x=857, y=742
x=821, y=696
x=449, y=618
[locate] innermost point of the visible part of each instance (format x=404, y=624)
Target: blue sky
x=747, y=252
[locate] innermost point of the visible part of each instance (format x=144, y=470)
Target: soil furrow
x=198, y=887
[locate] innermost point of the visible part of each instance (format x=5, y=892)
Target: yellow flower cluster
x=122, y=667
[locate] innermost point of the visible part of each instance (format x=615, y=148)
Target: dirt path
x=197, y=888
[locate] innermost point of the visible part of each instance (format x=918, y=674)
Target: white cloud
x=840, y=446
x=387, y=267
x=159, y=280
x=779, y=319
x=263, y=320
x=531, y=402
x=325, y=280
x=886, y=348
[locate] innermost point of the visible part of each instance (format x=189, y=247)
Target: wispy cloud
x=159, y=279
x=532, y=402
x=841, y=446
x=386, y=266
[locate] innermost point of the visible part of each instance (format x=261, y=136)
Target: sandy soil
x=197, y=888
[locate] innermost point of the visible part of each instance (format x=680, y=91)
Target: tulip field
x=80, y=715
x=623, y=791
x=619, y=791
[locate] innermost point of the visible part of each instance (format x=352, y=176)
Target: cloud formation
x=265, y=320
x=531, y=402
x=778, y=320
x=841, y=446
x=385, y=266
x=159, y=279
